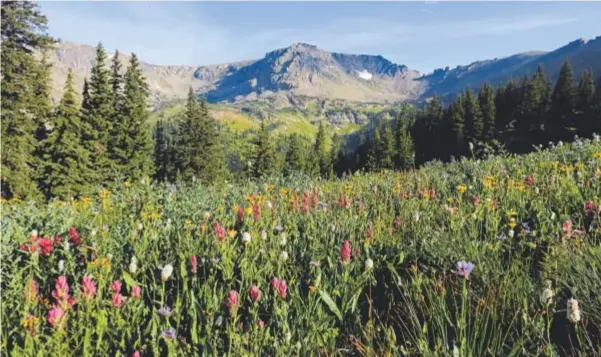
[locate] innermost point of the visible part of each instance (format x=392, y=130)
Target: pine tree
x=405, y=149
x=374, y=154
x=584, y=103
x=458, y=125
x=23, y=31
x=263, y=162
x=474, y=126
x=96, y=114
x=320, y=150
x=213, y=165
x=163, y=152
x=562, y=105
x=295, y=160
x=387, y=149
x=540, y=103
x=187, y=150
x=119, y=136
x=134, y=113
x=486, y=100
x=66, y=170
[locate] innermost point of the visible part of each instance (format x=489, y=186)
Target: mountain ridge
x=306, y=70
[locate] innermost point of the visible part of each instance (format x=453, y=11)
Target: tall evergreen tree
x=264, y=157
x=134, y=113
x=405, y=149
x=96, y=120
x=320, y=150
x=295, y=159
x=66, y=168
x=387, y=149
x=188, y=150
x=374, y=155
x=584, y=103
x=213, y=167
x=474, y=126
x=458, y=125
x=23, y=32
x=163, y=152
x=486, y=100
x=119, y=135
x=562, y=105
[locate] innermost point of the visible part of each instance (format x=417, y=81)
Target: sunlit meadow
x=498, y=257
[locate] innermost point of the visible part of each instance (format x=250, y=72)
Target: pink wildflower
x=567, y=228
x=88, y=288
x=56, y=316
x=117, y=300
x=136, y=292
x=116, y=286
x=193, y=264
x=74, y=236
x=61, y=289
x=256, y=212
x=261, y=323
x=232, y=302
x=45, y=245
x=255, y=293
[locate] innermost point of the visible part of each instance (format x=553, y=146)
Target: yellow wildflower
x=104, y=194
x=248, y=210
x=187, y=223
x=461, y=188
x=203, y=228
x=598, y=155
x=512, y=223
x=232, y=233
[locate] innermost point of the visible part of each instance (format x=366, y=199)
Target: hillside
x=301, y=70
x=582, y=54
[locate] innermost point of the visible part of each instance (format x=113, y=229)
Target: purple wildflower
x=165, y=311
x=315, y=263
x=215, y=260
x=169, y=333
x=278, y=228
x=502, y=237
x=464, y=269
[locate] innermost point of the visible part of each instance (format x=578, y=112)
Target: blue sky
x=421, y=35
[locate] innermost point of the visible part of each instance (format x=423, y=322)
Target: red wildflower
x=256, y=212
x=57, y=240
x=88, y=288
x=75, y=237
x=529, y=180
x=280, y=287
x=567, y=228
x=219, y=230
x=136, y=292
x=240, y=215
x=475, y=200
x=345, y=252
x=306, y=202
x=45, y=245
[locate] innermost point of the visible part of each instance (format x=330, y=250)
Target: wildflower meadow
x=493, y=257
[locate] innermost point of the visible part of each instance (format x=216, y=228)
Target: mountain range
x=302, y=70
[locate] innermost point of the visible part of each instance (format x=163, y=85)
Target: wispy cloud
x=426, y=11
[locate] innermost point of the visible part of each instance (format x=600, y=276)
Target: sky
x=421, y=35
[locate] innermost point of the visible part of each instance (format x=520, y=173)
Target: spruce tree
x=163, y=152
x=22, y=92
x=320, y=150
x=374, y=154
x=562, y=105
x=584, y=103
x=295, y=160
x=486, y=100
x=186, y=149
x=474, y=126
x=66, y=168
x=458, y=125
x=263, y=162
x=134, y=113
x=119, y=136
x=387, y=147
x=213, y=165
x=96, y=114
x=405, y=149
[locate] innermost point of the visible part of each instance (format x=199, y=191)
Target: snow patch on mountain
x=364, y=74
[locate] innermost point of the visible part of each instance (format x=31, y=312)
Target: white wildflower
x=284, y=255
x=34, y=233
x=207, y=215
x=369, y=264
x=109, y=256
x=536, y=190
x=546, y=297
x=510, y=233
x=66, y=246
x=166, y=272
x=246, y=237
x=573, y=311
x=288, y=337
x=283, y=239
x=93, y=233
x=471, y=145
x=553, y=216
x=133, y=265
x=269, y=205
x=416, y=216
x=263, y=235
x=140, y=226
x=61, y=265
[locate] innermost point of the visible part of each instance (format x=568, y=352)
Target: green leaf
x=129, y=280
x=331, y=304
